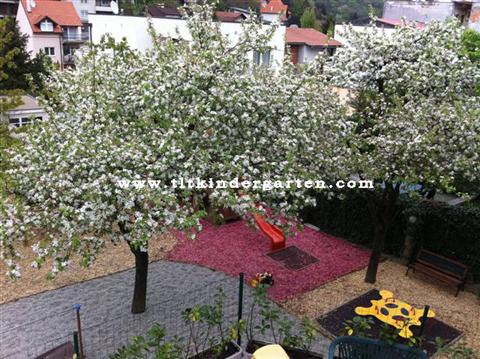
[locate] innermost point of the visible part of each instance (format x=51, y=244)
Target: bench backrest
x=443, y=264
x=362, y=348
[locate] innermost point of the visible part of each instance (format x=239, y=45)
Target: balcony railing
x=102, y=3
x=75, y=37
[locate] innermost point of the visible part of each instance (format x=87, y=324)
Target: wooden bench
x=441, y=268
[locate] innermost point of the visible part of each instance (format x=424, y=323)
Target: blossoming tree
x=186, y=109
x=416, y=114
x=66, y=172
x=247, y=122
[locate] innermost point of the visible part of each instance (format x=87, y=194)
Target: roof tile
x=274, y=7
x=400, y=22
x=229, y=16
x=310, y=37
x=62, y=13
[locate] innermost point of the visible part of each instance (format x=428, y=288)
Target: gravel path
x=33, y=325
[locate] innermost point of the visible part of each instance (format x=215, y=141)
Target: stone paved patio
x=35, y=324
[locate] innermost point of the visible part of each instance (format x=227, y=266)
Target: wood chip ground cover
x=462, y=312
x=113, y=259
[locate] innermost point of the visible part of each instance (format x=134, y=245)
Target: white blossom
x=184, y=109
x=418, y=118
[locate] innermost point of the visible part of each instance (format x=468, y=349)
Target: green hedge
x=450, y=231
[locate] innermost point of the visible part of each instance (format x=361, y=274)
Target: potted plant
x=209, y=337
x=280, y=328
x=153, y=345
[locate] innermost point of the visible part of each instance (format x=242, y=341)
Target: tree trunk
x=383, y=212
x=409, y=243
x=378, y=245
x=141, y=272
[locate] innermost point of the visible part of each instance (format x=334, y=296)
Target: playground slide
x=277, y=239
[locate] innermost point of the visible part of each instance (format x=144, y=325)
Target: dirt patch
x=461, y=312
x=114, y=258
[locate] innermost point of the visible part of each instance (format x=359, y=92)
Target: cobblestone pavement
x=33, y=325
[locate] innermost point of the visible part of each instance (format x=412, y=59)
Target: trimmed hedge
x=450, y=231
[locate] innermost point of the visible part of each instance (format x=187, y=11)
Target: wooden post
x=79, y=330
x=240, y=304
x=423, y=320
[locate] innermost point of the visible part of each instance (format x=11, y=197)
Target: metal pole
x=240, y=304
x=76, y=348
x=423, y=320
x=79, y=330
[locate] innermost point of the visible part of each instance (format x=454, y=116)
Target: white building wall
x=474, y=21
x=40, y=41
x=24, y=26
x=135, y=31
x=268, y=18
x=423, y=11
x=426, y=11
x=309, y=53
x=84, y=8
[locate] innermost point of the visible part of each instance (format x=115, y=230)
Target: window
x=84, y=13
x=46, y=25
x=84, y=1
x=14, y=121
x=49, y=51
x=262, y=59
x=21, y=121
x=70, y=33
x=85, y=32
x=68, y=51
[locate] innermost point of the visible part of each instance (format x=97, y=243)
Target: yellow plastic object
x=394, y=312
x=272, y=351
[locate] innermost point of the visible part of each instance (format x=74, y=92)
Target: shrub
x=444, y=229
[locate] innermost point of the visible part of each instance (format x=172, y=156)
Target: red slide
x=274, y=233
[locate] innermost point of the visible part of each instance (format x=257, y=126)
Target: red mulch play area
x=234, y=247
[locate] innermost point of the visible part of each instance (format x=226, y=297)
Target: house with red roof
x=229, y=16
x=53, y=27
x=306, y=43
x=272, y=9
x=164, y=12
x=396, y=23
x=160, y=11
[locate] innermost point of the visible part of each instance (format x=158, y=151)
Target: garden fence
x=103, y=336
x=28, y=341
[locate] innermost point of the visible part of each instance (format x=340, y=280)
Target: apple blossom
x=416, y=114
x=193, y=108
